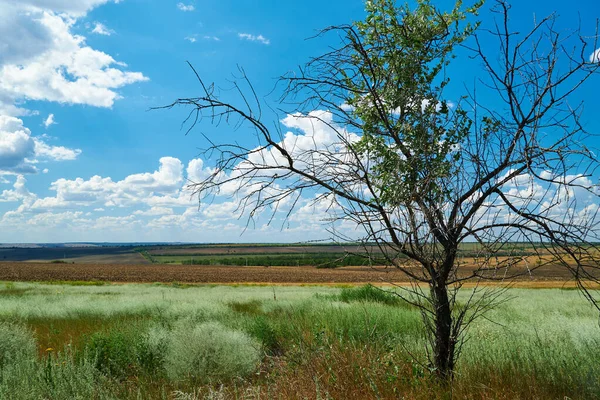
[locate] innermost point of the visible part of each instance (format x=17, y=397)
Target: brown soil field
x=14, y=271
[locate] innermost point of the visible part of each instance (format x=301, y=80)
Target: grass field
x=126, y=341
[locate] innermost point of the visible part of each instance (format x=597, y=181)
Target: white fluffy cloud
x=41, y=59
x=254, y=38
x=49, y=121
x=101, y=29
x=185, y=7
x=72, y=8
x=196, y=171
x=20, y=151
x=56, y=153
x=68, y=72
x=132, y=190
x=18, y=193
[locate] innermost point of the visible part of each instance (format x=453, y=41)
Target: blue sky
x=81, y=156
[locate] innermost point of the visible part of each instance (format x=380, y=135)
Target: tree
x=444, y=190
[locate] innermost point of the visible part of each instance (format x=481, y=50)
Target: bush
x=152, y=349
x=114, y=353
x=17, y=344
x=369, y=293
x=210, y=351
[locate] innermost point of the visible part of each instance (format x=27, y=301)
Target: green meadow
x=146, y=341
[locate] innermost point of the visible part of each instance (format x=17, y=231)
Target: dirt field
x=10, y=271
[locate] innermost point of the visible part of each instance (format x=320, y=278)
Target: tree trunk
x=443, y=342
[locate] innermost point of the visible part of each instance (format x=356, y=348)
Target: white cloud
x=134, y=189
x=16, y=147
x=254, y=38
x=101, y=29
x=56, y=153
x=191, y=39
x=20, y=151
x=196, y=171
x=347, y=107
x=595, y=56
x=214, y=38
x=221, y=211
x=49, y=62
x=18, y=193
x=185, y=7
x=49, y=121
x=155, y=211
x=71, y=8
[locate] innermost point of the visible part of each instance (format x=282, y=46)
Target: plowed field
x=11, y=271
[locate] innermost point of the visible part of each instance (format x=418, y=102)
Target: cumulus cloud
x=18, y=193
x=49, y=121
x=185, y=7
x=134, y=189
x=191, y=39
x=101, y=29
x=44, y=60
x=254, y=38
x=20, y=151
x=196, y=171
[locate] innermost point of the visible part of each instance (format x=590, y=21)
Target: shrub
x=17, y=344
x=210, y=351
x=152, y=349
x=369, y=293
x=114, y=353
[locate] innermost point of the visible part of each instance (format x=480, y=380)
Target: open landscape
x=299, y=200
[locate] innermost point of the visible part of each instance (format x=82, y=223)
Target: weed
x=266, y=332
x=114, y=353
x=247, y=307
x=369, y=293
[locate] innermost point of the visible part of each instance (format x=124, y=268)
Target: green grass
x=159, y=341
x=323, y=260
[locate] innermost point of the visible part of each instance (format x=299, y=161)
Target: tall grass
x=17, y=345
x=152, y=341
